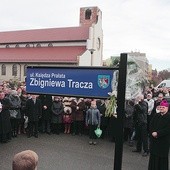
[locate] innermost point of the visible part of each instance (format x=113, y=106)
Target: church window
x=14, y=70
x=38, y=45
x=50, y=45
x=3, y=69
x=88, y=14
x=27, y=45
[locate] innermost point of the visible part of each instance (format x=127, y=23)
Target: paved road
x=67, y=152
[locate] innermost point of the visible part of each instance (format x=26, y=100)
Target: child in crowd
x=93, y=120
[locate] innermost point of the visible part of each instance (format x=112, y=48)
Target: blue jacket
x=93, y=116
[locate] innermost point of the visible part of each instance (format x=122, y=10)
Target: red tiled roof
x=43, y=35
x=41, y=54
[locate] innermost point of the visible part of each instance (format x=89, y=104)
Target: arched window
x=3, y=70
x=25, y=70
x=17, y=46
x=97, y=17
x=88, y=14
x=14, y=70
x=38, y=45
x=27, y=45
x=50, y=45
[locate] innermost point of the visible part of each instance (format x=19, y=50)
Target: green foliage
x=114, y=61
x=110, y=109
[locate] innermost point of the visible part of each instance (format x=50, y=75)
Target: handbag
x=98, y=132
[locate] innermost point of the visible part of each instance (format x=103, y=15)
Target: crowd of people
x=146, y=122
x=31, y=114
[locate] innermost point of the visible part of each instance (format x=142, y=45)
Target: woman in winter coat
x=24, y=99
x=93, y=120
x=57, y=112
x=67, y=114
x=15, y=112
x=79, y=117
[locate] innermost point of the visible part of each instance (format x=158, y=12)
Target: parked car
x=164, y=83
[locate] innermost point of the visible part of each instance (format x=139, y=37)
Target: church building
x=69, y=46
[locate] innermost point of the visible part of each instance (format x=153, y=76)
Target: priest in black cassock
x=160, y=139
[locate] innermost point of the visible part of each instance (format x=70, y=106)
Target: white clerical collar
x=163, y=113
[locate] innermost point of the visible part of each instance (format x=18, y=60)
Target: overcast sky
x=128, y=25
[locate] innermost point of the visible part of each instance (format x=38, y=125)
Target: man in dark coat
x=34, y=112
x=156, y=104
x=128, y=121
x=160, y=138
x=46, y=101
x=104, y=120
x=140, y=122
x=5, y=124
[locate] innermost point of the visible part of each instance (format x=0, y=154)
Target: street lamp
x=91, y=52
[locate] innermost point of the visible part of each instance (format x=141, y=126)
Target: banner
x=93, y=82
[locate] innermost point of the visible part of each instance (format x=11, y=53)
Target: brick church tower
x=92, y=17
x=89, y=16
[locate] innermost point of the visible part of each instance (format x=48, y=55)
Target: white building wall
x=93, y=44
x=85, y=59
x=98, y=46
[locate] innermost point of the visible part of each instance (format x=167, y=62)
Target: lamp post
x=91, y=52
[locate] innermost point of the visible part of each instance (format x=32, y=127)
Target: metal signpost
x=90, y=82
x=120, y=112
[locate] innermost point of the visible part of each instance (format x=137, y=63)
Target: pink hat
x=164, y=103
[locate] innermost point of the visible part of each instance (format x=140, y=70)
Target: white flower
x=113, y=93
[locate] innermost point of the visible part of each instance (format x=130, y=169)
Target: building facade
x=70, y=46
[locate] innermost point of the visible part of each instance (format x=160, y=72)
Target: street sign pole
x=120, y=112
